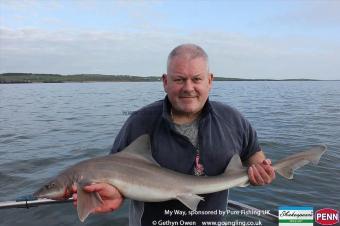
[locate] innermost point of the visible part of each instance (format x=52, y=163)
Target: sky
x=268, y=39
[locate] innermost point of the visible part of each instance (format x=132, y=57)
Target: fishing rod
x=29, y=201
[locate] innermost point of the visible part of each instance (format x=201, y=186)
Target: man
x=191, y=135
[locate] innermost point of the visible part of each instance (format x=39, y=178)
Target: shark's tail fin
x=286, y=167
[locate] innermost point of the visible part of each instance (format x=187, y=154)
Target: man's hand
x=111, y=197
x=261, y=173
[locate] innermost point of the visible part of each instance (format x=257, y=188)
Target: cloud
x=319, y=13
x=266, y=57
x=28, y=5
x=314, y=15
x=77, y=52
x=144, y=53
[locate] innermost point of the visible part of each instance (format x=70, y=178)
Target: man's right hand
x=112, y=199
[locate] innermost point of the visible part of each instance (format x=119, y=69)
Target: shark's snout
x=51, y=190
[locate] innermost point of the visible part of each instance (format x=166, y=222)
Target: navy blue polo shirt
x=222, y=132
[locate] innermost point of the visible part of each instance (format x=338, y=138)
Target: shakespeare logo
x=296, y=216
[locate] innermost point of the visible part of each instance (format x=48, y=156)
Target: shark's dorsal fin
x=235, y=167
x=141, y=149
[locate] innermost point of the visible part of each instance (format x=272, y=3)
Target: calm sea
x=47, y=127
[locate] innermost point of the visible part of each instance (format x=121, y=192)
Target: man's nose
x=188, y=86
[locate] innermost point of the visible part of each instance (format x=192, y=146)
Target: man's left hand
x=261, y=173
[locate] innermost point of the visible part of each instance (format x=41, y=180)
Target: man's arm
x=260, y=170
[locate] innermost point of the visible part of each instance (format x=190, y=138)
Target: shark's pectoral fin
x=86, y=202
x=190, y=200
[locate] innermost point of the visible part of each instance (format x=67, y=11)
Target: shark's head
x=54, y=189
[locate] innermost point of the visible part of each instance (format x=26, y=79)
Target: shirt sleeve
x=250, y=141
x=123, y=138
x=133, y=127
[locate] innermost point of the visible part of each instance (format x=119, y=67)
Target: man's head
x=188, y=80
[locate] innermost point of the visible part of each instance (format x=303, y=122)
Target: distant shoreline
x=9, y=78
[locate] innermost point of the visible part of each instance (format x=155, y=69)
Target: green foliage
x=56, y=78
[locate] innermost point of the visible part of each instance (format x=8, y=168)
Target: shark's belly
x=156, y=192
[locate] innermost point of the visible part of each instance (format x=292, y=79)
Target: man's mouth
x=188, y=97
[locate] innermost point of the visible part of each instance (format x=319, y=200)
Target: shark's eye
x=49, y=186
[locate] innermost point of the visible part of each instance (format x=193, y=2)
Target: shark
x=137, y=176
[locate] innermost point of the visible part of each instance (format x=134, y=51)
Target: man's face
x=187, y=84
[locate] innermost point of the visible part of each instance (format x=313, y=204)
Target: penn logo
x=327, y=216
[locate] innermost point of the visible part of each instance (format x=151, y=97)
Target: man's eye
x=179, y=80
x=197, y=79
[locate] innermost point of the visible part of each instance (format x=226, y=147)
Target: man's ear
x=165, y=82
x=211, y=78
